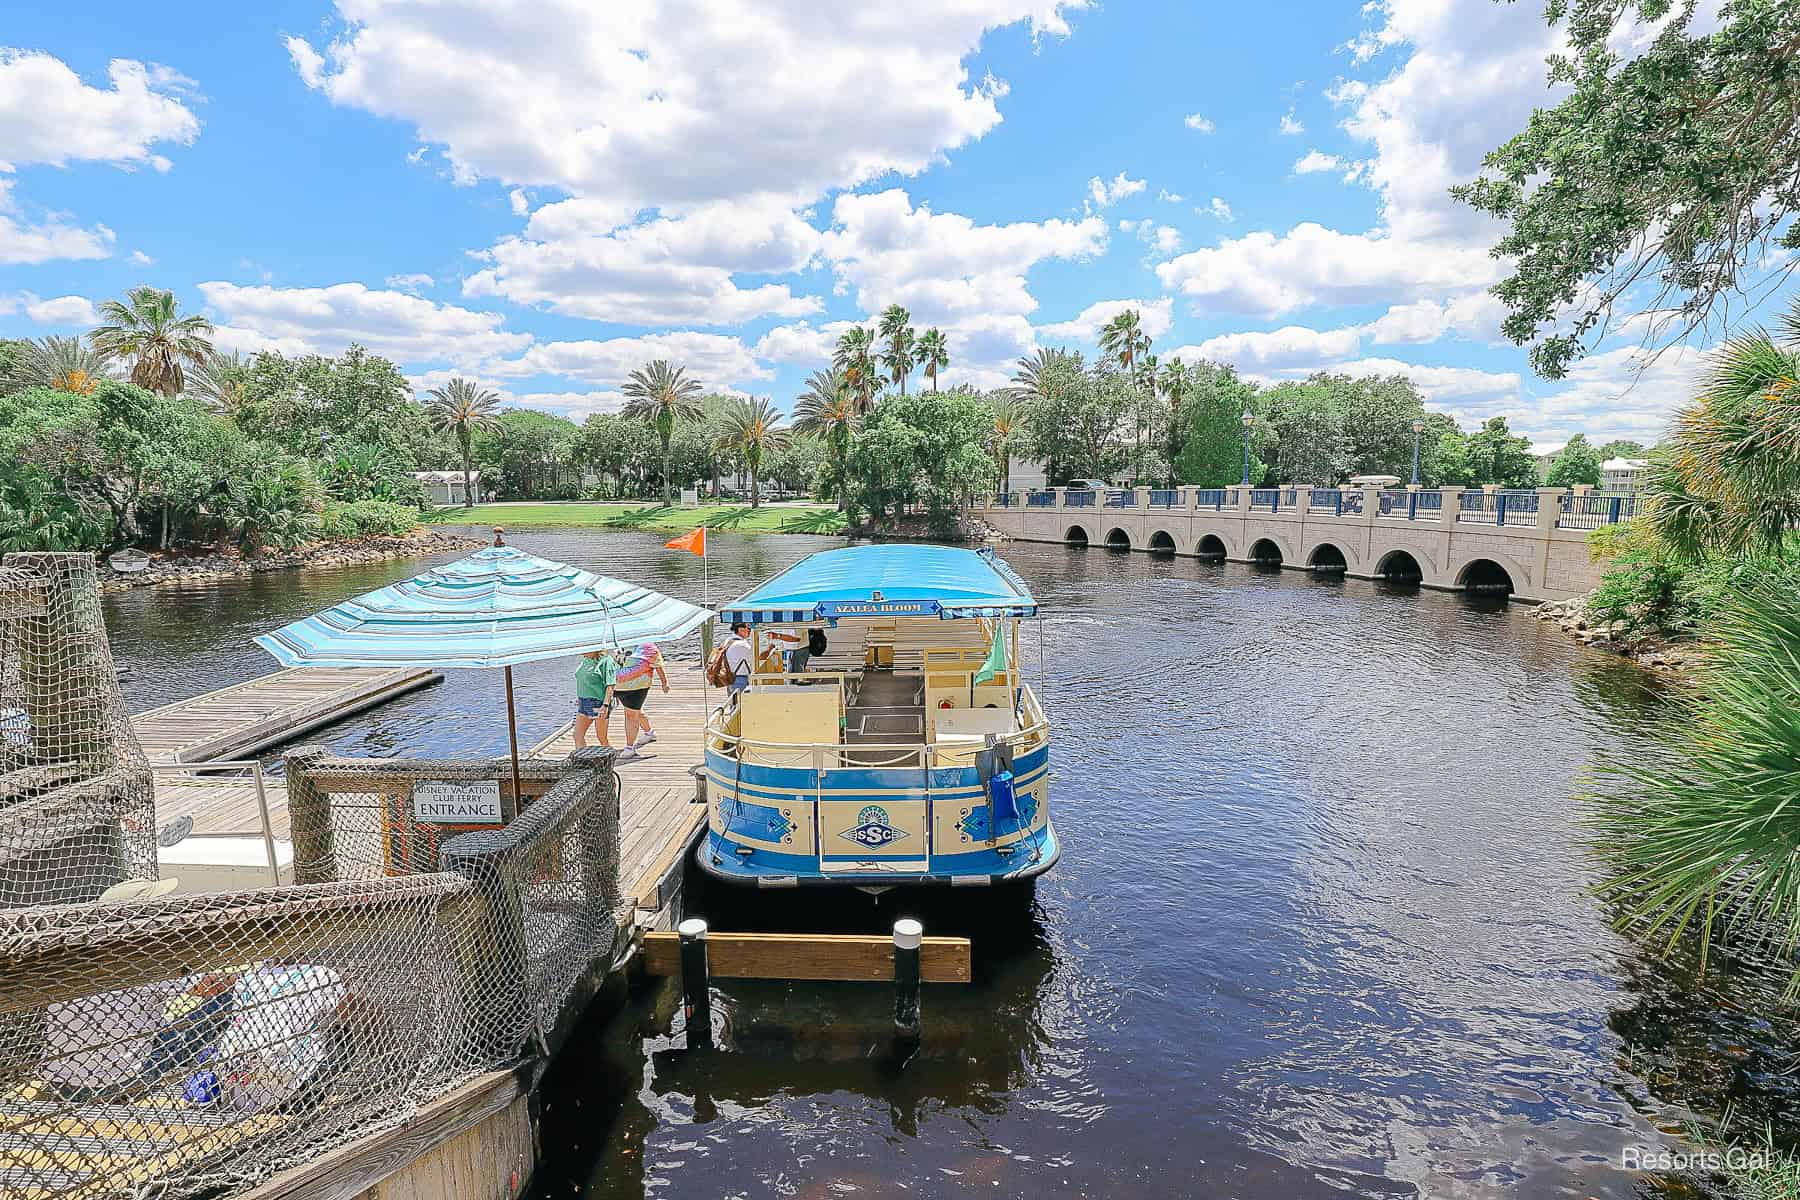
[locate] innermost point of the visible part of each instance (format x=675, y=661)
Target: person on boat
x=595, y=677
x=632, y=688
x=737, y=657
x=793, y=648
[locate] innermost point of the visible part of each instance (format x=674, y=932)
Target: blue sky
x=545, y=195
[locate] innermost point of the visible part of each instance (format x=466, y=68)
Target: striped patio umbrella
x=496, y=608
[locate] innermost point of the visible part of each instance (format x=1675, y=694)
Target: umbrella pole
x=512, y=734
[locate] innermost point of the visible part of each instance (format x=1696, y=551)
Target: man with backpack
x=737, y=658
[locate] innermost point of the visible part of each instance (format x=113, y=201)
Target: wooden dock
x=246, y=718
x=658, y=819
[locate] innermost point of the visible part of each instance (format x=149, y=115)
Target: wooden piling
x=908, y=933
x=696, y=989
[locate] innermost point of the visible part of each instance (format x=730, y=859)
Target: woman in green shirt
x=594, y=677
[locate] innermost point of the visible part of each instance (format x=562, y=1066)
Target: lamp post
x=1418, y=428
x=1248, y=421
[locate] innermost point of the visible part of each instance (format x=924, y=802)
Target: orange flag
x=693, y=541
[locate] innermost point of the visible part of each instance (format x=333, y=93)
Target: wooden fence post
x=696, y=989
x=309, y=817
x=907, y=935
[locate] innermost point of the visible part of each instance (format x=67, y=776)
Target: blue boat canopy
x=887, y=581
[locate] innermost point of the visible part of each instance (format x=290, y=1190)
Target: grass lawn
x=661, y=518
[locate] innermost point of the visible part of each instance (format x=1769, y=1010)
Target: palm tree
x=220, y=383
x=146, y=328
x=463, y=406
x=66, y=364
x=1175, y=384
x=898, y=343
x=1008, y=418
x=753, y=427
x=934, y=354
x=1122, y=340
x=828, y=408
x=1729, y=480
x=855, y=357
x=663, y=395
x=1034, y=381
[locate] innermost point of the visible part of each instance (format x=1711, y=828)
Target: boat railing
x=819, y=756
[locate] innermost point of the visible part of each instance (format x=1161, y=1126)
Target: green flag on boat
x=996, y=659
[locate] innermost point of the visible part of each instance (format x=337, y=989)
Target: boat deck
x=658, y=819
x=245, y=718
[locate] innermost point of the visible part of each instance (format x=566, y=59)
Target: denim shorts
x=587, y=706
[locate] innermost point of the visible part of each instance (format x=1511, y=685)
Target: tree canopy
x=1660, y=183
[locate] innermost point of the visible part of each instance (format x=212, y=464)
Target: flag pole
x=706, y=603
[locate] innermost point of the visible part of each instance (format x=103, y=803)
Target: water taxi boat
x=907, y=750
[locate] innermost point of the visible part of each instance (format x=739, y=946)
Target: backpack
x=718, y=671
x=815, y=642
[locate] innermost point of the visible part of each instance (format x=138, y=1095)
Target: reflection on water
x=1323, y=923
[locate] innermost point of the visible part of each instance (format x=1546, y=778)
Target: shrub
x=362, y=518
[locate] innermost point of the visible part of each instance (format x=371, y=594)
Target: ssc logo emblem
x=872, y=829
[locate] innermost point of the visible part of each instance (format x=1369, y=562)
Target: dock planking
x=657, y=816
x=249, y=717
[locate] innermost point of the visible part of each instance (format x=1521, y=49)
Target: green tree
x=1496, y=456
x=1377, y=416
x=829, y=409
x=312, y=406
x=1123, y=341
x=664, y=396
x=461, y=407
x=529, y=453
x=1623, y=449
x=898, y=344
x=1578, y=463
x=855, y=357
x=1443, y=452
x=221, y=382
x=1310, y=444
x=148, y=329
x=934, y=354
x=1658, y=181
x=753, y=429
x=1728, y=480
x=1052, y=385
x=1173, y=383
x=1212, y=449
x=605, y=445
x=1007, y=426
x=930, y=448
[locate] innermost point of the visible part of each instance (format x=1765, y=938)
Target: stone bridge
x=1529, y=544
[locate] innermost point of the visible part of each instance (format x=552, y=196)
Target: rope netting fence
x=175, y=1045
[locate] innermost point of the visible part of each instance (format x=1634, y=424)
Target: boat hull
x=784, y=826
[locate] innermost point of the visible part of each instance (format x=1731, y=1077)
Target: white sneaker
x=645, y=740
x=626, y=755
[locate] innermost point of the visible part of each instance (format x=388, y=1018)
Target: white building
x=1025, y=474
x=1623, y=474
x=446, y=487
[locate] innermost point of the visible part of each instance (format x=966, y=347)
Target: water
x=1323, y=925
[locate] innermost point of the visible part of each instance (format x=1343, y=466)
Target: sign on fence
x=457, y=801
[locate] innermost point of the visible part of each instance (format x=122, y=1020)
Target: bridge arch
x=1162, y=542
x=1118, y=539
x=1265, y=551
x=1400, y=566
x=1487, y=575
x=1212, y=545
x=1076, y=536
x=1328, y=558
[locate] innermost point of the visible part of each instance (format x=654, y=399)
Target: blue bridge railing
x=1121, y=498
x=1213, y=498
x=1592, y=511
x=1325, y=500
x=1165, y=498
x=1080, y=499
x=1040, y=500
x=1499, y=508
x=1003, y=499
x=1265, y=499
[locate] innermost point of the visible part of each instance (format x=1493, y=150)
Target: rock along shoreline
x=193, y=568
x=1615, y=637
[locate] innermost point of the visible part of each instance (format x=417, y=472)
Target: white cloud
x=309, y=64
x=1291, y=125
x=669, y=106
x=520, y=202
x=1444, y=386
x=1270, y=275
x=665, y=270
x=140, y=259
x=1275, y=350
x=62, y=310
x=1105, y=193
x=1198, y=123
x=1168, y=197
x=715, y=359
x=571, y=404
x=410, y=283
x=1217, y=208
x=1476, y=316
x=1316, y=161
x=1155, y=318
x=802, y=343
x=48, y=115
x=25, y=241
x=1618, y=394
x=324, y=320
